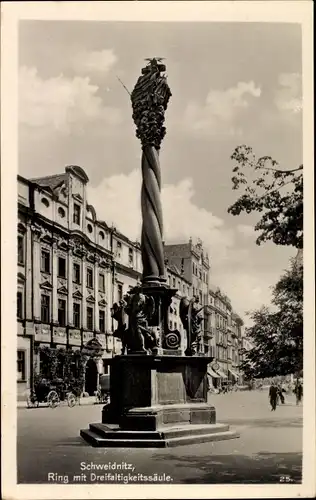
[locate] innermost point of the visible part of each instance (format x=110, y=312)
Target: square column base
x=157, y=401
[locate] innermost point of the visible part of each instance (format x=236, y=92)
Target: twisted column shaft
x=152, y=228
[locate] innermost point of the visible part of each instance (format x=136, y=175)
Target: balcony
x=207, y=310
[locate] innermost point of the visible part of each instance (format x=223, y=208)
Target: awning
x=221, y=374
x=233, y=373
x=213, y=374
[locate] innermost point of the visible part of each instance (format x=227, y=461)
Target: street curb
x=83, y=402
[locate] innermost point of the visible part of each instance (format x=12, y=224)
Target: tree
x=274, y=193
x=277, y=336
x=61, y=364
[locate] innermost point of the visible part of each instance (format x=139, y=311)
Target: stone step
x=167, y=433
x=97, y=440
x=202, y=438
x=106, y=432
x=193, y=430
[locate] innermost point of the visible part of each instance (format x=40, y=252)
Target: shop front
x=233, y=376
x=214, y=378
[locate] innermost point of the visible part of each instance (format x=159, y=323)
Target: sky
x=231, y=83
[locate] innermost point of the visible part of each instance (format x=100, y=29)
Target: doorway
x=91, y=377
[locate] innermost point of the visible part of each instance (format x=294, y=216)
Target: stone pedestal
x=157, y=401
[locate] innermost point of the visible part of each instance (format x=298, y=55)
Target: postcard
x=158, y=334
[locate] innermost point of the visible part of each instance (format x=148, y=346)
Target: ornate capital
x=36, y=231
x=150, y=99
x=55, y=241
x=105, y=263
x=90, y=257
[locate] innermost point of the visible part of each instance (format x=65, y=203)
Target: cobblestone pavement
x=268, y=451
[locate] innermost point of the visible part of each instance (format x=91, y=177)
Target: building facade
x=192, y=262
x=70, y=271
x=226, y=341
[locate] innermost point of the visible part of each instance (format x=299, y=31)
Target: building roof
x=122, y=237
x=50, y=181
x=174, y=269
x=177, y=250
x=54, y=181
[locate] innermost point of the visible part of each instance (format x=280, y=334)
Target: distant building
x=193, y=263
x=226, y=342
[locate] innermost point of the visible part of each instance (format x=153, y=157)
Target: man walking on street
x=298, y=392
x=273, y=396
x=280, y=393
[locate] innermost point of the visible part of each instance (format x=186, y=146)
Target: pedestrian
x=280, y=393
x=298, y=392
x=273, y=396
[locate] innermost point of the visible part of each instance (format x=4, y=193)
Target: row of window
x=62, y=312
x=220, y=305
x=21, y=366
x=61, y=271
x=229, y=353
x=198, y=272
x=220, y=322
x=130, y=253
x=45, y=257
x=61, y=211
x=177, y=284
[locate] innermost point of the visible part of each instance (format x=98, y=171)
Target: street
x=269, y=449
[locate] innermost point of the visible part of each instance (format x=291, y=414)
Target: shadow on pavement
x=263, y=468
x=72, y=441
x=264, y=422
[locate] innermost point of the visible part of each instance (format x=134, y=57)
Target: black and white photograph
x=157, y=304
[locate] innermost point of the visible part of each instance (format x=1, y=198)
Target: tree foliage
x=277, y=195
x=61, y=364
x=277, y=336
